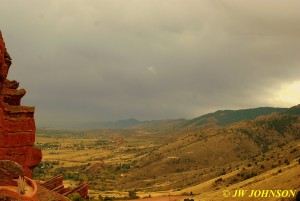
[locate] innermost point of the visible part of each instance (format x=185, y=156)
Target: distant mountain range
x=219, y=118
x=125, y=123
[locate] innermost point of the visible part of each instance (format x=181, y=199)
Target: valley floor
x=107, y=164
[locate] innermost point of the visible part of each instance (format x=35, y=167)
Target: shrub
x=132, y=195
x=100, y=197
x=218, y=180
x=107, y=198
x=286, y=161
x=76, y=197
x=187, y=199
x=293, y=150
x=253, y=174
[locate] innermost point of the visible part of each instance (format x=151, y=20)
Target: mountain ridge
x=220, y=117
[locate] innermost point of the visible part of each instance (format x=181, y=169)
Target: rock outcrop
x=9, y=171
x=17, y=125
x=82, y=190
x=56, y=185
x=14, y=185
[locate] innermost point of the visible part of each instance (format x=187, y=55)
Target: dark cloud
x=108, y=60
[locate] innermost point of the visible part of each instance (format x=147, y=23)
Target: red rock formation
x=17, y=125
x=9, y=171
x=45, y=194
x=94, y=168
x=56, y=185
x=82, y=190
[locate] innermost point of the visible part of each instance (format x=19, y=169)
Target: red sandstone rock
x=82, y=190
x=56, y=185
x=53, y=183
x=45, y=194
x=9, y=171
x=17, y=125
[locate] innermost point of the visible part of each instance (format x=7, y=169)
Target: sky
x=106, y=60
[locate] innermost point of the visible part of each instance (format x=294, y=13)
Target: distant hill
x=124, y=123
x=218, y=118
x=293, y=110
x=120, y=123
x=226, y=117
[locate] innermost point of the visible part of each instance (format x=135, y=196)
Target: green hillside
x=226, y=117
x=293, y=110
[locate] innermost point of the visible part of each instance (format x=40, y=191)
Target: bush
x=218, y=180
x=132, y=195
x=187, y=199
x=76, y=197
x=107, y=198
x=293, y=150
x=100, y=197
x=286, y=161
x=223, y=172
x=252, y=174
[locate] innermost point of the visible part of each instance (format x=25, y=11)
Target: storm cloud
x=98, y=60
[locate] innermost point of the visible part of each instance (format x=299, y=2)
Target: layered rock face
x=17, y=125
x=56, y=185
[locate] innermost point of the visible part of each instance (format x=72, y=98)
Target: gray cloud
x=152, y=59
